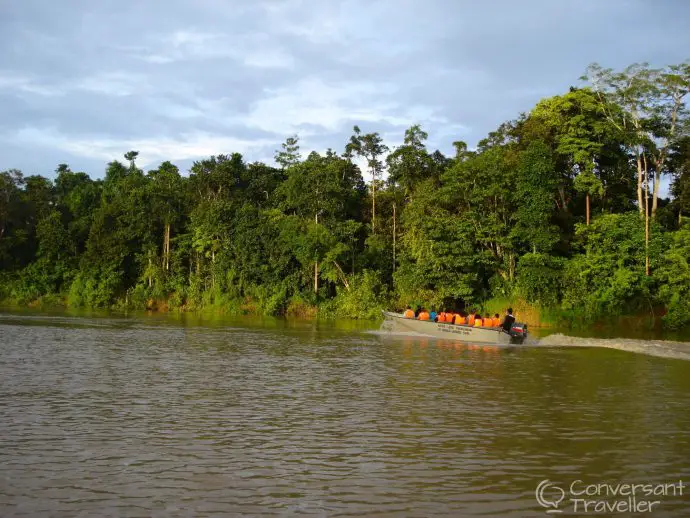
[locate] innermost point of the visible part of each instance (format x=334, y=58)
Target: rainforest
x=575, y=211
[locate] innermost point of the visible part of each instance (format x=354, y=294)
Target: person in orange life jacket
x=441, y=317
x=496, y=320
x=423, y=315
x=461, y=319
x=488, y=321
x=408, y=312
x=471, y=318
x=478, y=320
x=508, y=320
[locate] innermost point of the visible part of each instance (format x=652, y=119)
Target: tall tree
x=369, y=146
x=326, y=190
x=218, y=177
x=167, y=200
x=652, y=103
x=480, y=193
x=668, y=115
x=131, y=157
x=289, y=155
x=410, y=163
x=581, y=135
x=625, y=98
x=11, y=183
x=536, y=185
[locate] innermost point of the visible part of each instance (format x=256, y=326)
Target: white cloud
x=267, y=58
x=115, y=84
x=319, y=23
x=176, y=111
x=190, y=146
x=312, y=102
x=118, y=83
x=17, y=83
x=250, y=49
x=194, y=39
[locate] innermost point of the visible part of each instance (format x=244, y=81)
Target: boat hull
x=397, y=323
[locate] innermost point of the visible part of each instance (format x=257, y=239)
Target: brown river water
x=158, y=416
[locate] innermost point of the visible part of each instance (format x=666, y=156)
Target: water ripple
x=111, y=418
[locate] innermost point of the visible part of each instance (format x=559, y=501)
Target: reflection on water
x=161, y=417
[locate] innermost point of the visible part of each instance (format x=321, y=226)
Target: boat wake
x=660, y=348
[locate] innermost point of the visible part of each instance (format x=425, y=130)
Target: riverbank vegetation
x=559, y=209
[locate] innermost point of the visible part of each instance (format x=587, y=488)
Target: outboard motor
x=518, y=332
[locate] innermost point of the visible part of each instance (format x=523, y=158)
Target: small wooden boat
x=397, y=323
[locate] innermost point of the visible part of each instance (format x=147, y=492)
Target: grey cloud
x=83, y=80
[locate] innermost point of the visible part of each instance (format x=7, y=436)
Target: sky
x=83, y=81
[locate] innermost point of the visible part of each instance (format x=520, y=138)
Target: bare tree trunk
x=343, y=277
x=373, y=203
x=394, y=237
x=564, y=201
x=646, y=216
x=655, y=195
x=166, y=247
x=150, y=280
x=213, y=269
x=587, y=204
x=316, y=264
x=639, y=182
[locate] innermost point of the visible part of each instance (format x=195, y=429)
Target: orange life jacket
x=470, y=320
x=460, y=320
x=423, y=316
x=477, y=322
x=409, y=314
x=441, y=317
x=488, y=322
x=496, y=321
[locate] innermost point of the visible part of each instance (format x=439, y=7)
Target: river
x=157, y=416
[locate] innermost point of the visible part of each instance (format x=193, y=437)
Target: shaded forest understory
x=559, y=209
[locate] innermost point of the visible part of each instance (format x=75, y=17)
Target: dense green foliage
x=549, y=209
